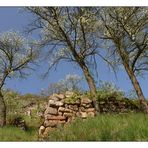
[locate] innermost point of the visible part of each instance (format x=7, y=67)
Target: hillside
x=117, y=121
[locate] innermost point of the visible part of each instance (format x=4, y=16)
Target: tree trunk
x=91, y=85
x=85, y=70
x=2, y=111
x=137, y=88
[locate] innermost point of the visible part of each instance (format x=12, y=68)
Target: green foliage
x=17, y=105
x=107, y=90
x=15, y=101
x=11, y=118
x=74, y=98
x=33, y=122
x=103, y=95
x=132, y=102
x=112, y=127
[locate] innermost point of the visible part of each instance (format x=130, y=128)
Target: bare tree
x=126, y=35
x=15, y=55
x=70, y=34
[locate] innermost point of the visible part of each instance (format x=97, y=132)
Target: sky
x=13, y=19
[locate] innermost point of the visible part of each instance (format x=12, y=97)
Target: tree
x=70, y=83
x=126, y=34
x=70, y=34
x=15, y=55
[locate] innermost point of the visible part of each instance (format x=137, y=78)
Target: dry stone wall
x=64, y=108
x=61, y=109
x=114, y=105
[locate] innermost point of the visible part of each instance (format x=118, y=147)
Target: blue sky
x=12, y=19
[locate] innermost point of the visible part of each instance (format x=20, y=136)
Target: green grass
x=128, y=127
x=10, y=133
x=105, y=127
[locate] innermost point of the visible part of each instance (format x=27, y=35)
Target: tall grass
x=104, y=127
x=120, y=127
x=10, y=133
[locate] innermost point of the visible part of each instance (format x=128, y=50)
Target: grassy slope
x=11, y=133
x=119, y=127
x=114, y=127
x=15, y=134
x=129, y=127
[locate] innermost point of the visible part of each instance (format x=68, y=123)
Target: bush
x=109, y=90
x=11, y=118
x=73, y=98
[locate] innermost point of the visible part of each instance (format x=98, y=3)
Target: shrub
x=73, y=98
x=109, y=90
